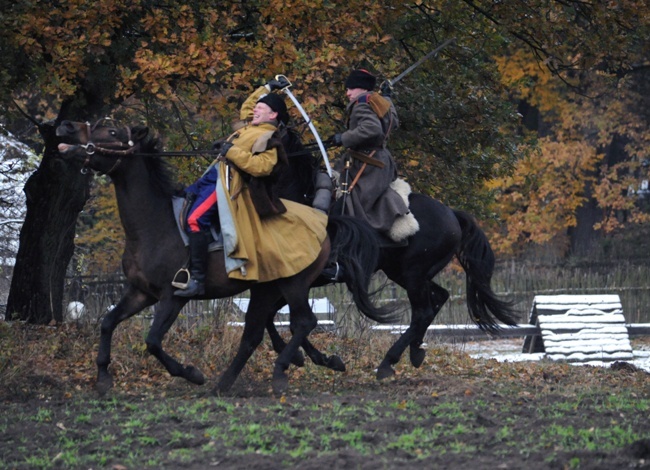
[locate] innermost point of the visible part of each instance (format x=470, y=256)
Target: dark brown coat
x=371, y=198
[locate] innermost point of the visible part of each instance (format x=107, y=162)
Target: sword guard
x=279, y=76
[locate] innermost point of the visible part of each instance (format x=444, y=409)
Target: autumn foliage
x=576, y=72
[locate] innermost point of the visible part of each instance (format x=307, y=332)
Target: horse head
x=101, y=145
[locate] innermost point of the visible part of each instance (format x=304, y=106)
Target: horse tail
x=355, y=247
x=477, y=259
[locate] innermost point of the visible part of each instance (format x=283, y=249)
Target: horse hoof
x=280, y=385
x=103, y=385
x=385, y=372
x=298, y=359
x=417, y=356
x=221, y=387
x=336, y=363
x=194, y=375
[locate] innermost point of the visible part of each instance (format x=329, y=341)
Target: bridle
x=119, y=149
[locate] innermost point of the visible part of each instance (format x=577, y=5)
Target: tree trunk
x=56, y=192
x=585, y=240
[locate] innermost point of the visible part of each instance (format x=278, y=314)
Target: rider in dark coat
x=370, y=119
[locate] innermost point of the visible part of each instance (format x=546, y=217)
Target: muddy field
x=454, y=412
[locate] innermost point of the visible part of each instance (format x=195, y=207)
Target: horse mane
x=161, y=173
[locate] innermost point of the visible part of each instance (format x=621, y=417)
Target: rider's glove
x=222, y=147
x=336, y=140
x=386, y=89
x=278, y=83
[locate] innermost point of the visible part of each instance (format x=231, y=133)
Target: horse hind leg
x=260, y=311
x=439, y=297
x=132, y=302
x=303, y=321
x=164, y=317
x=332, y=362
x=278, y=342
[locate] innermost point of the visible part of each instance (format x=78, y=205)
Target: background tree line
x=535, y=119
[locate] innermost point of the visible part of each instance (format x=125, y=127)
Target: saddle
x=181, y=205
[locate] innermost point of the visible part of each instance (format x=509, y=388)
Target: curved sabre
x=309, y=123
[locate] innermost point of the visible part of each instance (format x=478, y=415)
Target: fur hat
x=361, y=78
x=277, y=104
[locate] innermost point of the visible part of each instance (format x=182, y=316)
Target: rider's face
x=353, y=93
x=262, y=112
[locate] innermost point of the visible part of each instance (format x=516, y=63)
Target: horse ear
x=139, y=132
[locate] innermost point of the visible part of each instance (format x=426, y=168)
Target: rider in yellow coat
x=278, y=245
x=265, y=238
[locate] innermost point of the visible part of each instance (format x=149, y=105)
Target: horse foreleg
x=421, y=317
x=164, y=318
x=132, y=302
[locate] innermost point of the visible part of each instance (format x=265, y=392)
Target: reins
x=122, y=149
x=310, y=148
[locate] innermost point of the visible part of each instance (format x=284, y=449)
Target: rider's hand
x=279, y=83
x=224, y=148
x=386, y=89
x=221, y=147
x=335, y=141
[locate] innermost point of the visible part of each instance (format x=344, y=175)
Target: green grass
x=447, y=428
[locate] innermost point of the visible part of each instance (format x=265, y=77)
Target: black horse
x=154, y=252
x=444, y=234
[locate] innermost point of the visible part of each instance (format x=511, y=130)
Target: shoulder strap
x=381, y=107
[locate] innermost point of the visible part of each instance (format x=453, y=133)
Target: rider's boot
x=199, y=242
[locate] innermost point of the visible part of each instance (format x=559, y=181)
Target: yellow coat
x=277, y=246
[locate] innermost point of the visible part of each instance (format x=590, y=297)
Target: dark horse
x=154, y=252
x=444, y=234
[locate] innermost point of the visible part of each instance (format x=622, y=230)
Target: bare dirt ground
x=453, y=412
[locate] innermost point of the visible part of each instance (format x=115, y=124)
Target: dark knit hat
x=361, y=79
x=277, y=104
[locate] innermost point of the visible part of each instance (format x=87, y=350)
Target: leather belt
x=362, y=157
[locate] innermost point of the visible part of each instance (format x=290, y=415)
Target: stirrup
x=333, y=272
x=181, y=279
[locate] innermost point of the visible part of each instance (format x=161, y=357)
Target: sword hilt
x=279, y=76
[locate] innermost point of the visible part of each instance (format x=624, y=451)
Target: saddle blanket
x=217, y=239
